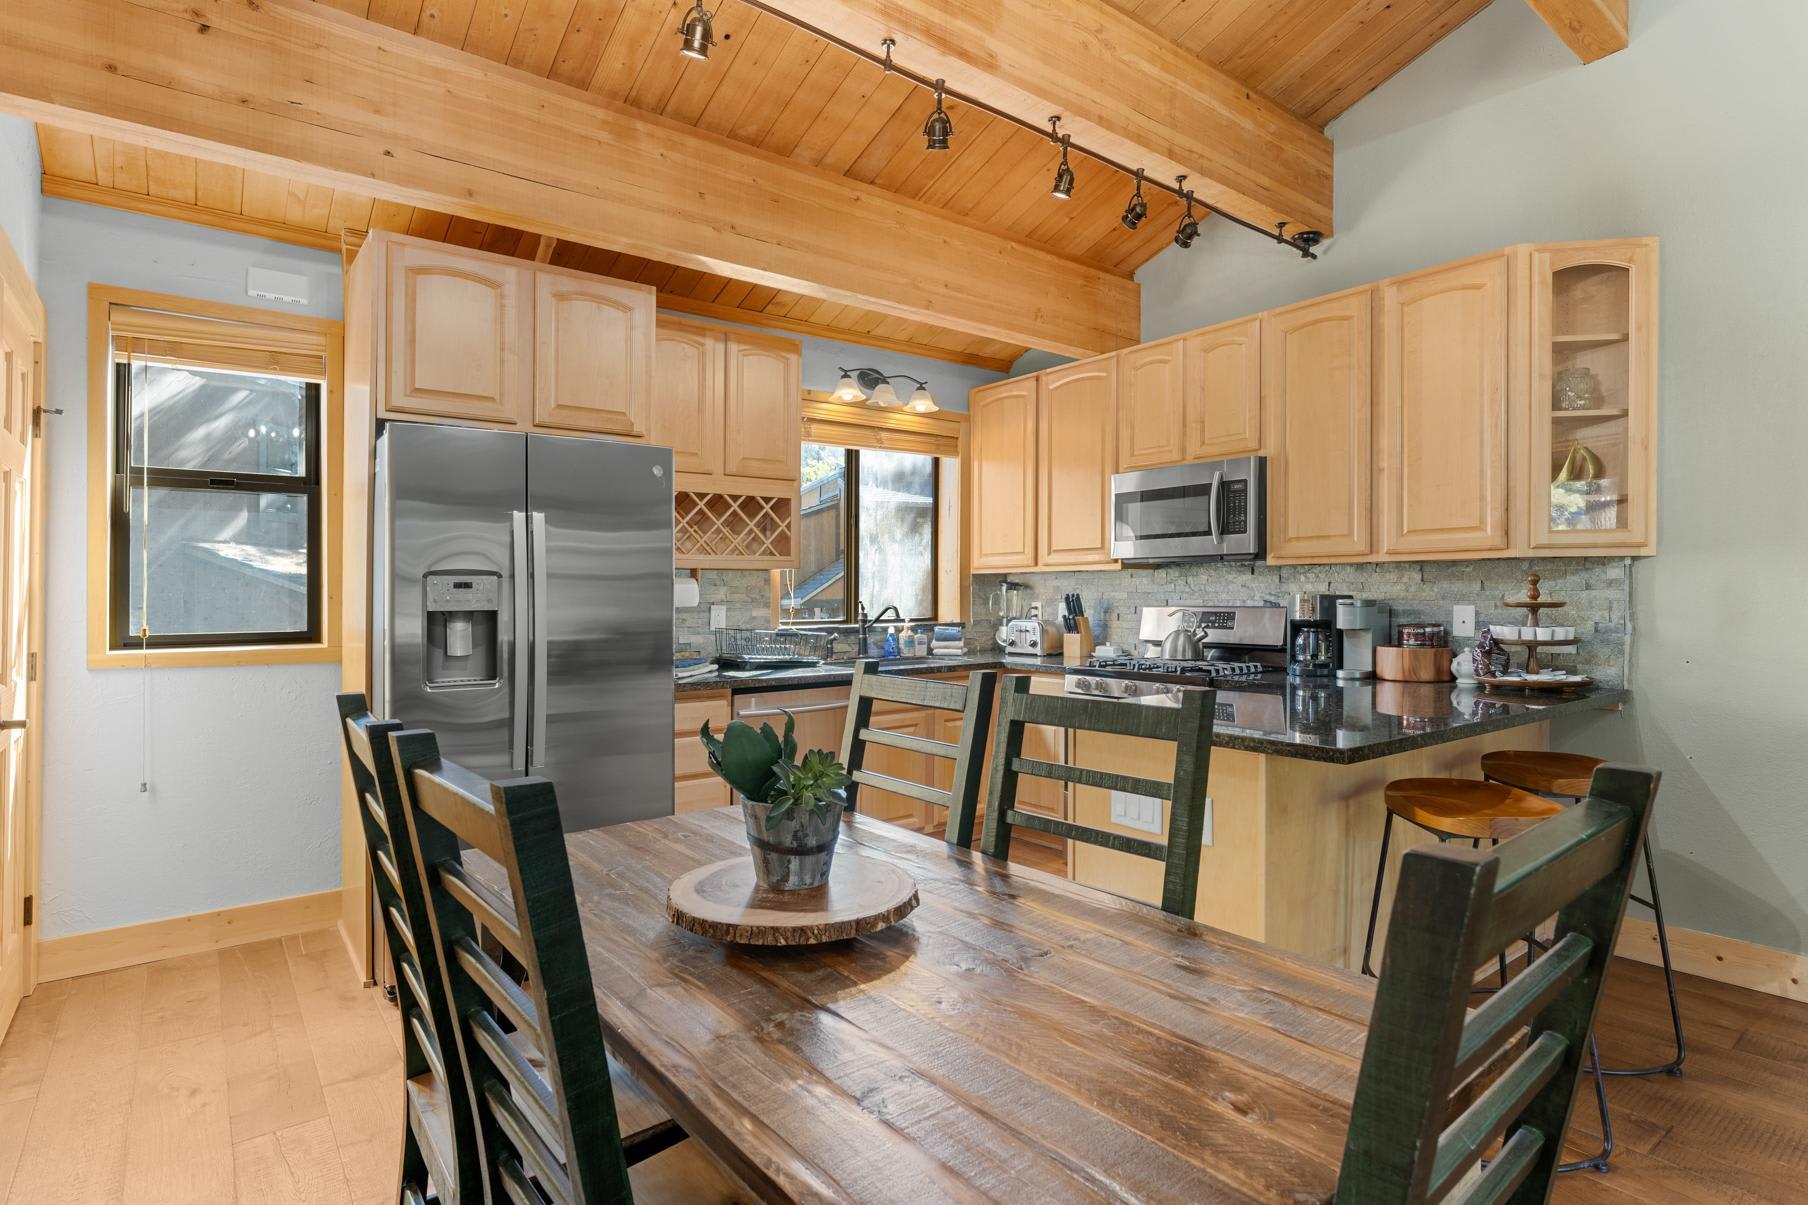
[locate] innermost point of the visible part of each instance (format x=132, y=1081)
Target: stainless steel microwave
x=1214, y=510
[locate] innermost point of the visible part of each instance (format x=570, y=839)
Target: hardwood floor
x=265, y=1074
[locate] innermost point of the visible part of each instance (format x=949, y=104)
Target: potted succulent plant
x=792, y=808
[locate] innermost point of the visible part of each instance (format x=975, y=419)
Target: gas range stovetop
x=1136, y=677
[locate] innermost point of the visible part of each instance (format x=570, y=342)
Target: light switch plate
x=1136, y=811
x=718, y=615
x=1462, y=621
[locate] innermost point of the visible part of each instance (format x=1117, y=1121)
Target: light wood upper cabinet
x=1076, y=438
x=1316, y=391
x=1001, y=445
x=1442, y=401
x=459, y=334
x=1151, y=405
x=687, y=394
x=1591, y=406
x=593, y=354
x=1223, y=411
x=763, y=406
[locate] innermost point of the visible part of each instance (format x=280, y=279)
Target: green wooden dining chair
x=971, y=700
x=538, y=1075
x=1188, y=727
x=1455, y=909
x=439, y=1144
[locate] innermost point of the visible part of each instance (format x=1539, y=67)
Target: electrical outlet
x=1462, y=621
x=1136, y=811
x=718, y=615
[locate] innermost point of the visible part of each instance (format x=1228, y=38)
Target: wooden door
x=459, y=335
x=1316, y=388
x=1591, y=451
x=21, y=622
x=1443, y=409
x=1001, y=442
x=593, y=355
x=763, y=402
x=1151, y=405
x=1223, y=410
x=1076, y=434
x=687, y=394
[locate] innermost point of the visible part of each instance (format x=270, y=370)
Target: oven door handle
x=1217, y=508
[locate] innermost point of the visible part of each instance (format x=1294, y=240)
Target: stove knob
x=1086, y=686
x=1132, y=689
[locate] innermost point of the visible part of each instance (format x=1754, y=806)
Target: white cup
x=1564, y=633
x=1544, y=633
x=1504, y=631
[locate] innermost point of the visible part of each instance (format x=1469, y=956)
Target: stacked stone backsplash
x=1597, y=589
x=747, y=593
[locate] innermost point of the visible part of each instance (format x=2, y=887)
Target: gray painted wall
x=1498, y=136
x=19, y=172
x=242, y=762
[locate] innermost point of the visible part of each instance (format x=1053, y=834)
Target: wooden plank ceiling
x=776, y=87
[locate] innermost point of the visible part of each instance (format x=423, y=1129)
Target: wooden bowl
x=1396, y=664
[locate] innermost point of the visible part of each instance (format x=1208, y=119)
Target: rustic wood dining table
x=1017, y=1038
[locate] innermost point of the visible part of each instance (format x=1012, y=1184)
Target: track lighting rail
x=1304, y=242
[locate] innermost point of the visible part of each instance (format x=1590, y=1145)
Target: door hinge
x=31, y=909
x=31, y=667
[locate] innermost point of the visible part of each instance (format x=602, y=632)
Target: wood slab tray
x=723, y=901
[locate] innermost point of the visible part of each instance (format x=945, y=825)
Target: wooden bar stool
x=1454, y=808
x=1567, y=776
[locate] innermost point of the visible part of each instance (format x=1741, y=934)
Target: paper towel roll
x=685, y=592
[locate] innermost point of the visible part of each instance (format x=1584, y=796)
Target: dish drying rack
x=786, y=646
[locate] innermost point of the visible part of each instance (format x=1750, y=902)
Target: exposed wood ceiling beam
x=1120, y=87
x=301, y=89
x=1593, y=29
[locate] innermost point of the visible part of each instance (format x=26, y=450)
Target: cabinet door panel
x=687, y=395
x=1443, y=418
x=593, y=354
x=1076, y=434
x=1151, y=405
x=897, y=763
x=1001, y=433
x=459, y=330
x=1224, y=391
x=764, y=405
x=1315, y=398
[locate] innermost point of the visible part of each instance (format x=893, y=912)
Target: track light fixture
x=1064, y=177
x=875, y=388
x=1188, y=230
x=938, y=129
x=698, y=32
x=1138, y=209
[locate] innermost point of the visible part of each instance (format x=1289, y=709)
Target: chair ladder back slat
x=530, y=1090
x=1453, y=909
x=910, y=743
x=902, y=786
x=496, y=915
x=430, y=1031
x=555, y=1006
x=910, y=691
x=1188, y=728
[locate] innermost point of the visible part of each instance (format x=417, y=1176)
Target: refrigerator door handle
x=518, y=570
x=536, y=747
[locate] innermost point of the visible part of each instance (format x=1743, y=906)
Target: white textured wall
x=1694, y=134
x=243, y=770
x=19, y=172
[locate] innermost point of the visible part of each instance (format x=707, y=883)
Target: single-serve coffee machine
x=1312, y=648
x=1363, y=625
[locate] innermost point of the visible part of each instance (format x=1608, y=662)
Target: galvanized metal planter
x=795, y=854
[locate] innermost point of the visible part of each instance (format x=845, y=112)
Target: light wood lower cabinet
x=1316, y=393
x=695, y=787
x=458, y=330
x=1442, y=402
x=593, y=355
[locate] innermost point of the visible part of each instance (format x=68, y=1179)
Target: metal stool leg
x=1598, y=1160
x=1672, y=1066
x=1368, y=945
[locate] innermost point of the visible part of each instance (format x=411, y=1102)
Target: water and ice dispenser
x=462, y=612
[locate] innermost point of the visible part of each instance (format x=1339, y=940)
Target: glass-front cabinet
x=1591, y=470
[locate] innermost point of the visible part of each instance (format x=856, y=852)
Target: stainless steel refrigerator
x=523, y=609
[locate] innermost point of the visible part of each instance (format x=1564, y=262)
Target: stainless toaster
x=1031, y=638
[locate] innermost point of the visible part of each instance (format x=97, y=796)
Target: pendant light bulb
x=938, y=129
x=848, y=390
x=885, y=397
x=698, y=32
x=921, y=402
x=1138, y=209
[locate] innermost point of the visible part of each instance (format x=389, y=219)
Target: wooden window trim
x=290, y=335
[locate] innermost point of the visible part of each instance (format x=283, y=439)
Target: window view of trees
x=882, y=505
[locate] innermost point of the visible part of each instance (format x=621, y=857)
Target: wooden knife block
x=1077, y=646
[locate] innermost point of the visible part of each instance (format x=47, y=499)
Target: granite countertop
x=1330, y=722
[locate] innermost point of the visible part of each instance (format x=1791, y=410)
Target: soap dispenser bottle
x=891, y=643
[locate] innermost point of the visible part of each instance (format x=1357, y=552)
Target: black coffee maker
x=1313, y=649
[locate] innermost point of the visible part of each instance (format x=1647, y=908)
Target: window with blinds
x=216, y=498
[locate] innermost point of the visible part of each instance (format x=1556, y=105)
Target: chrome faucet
x=866, y=623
